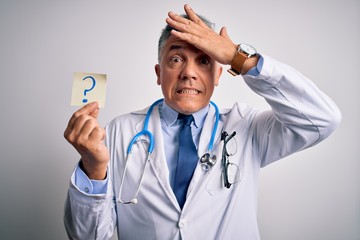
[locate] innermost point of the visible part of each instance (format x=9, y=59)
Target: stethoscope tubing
x=151, y=142
x=145, y=130
x=217, y=117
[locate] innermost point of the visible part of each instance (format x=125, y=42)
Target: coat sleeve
x=301, y=115
x=89, y=216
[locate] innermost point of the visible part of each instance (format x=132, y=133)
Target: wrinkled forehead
x=176, y=44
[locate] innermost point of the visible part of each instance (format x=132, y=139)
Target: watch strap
x=237, y=63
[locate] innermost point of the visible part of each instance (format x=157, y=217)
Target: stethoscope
x=207, y=160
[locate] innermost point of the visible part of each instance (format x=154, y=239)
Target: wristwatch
x=244, y=52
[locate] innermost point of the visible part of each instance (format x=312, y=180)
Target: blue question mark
x=88, y=90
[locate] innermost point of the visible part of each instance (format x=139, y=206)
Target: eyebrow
x=174, y=47
x=181, y=46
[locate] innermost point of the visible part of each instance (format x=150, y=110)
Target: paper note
x=88, y=87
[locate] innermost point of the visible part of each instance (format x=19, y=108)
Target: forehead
x=174, y=43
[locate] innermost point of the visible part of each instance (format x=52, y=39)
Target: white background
x=311, y=195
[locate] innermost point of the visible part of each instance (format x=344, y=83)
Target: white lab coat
x=301, y=116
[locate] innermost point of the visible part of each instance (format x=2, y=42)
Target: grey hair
x=166, y=32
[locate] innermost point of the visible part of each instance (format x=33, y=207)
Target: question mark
x=88, y=90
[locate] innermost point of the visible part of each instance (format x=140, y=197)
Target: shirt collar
x=170, y=116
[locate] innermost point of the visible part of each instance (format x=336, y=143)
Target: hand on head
x=194, y=31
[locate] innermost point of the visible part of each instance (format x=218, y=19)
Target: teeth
x=189, y=91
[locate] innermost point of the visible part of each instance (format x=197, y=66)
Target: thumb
x=95, y=112
x=223, y=32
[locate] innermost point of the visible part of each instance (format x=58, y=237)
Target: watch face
x=247, y=49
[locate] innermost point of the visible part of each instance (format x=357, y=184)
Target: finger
x=81, y=129
x=179, y=23
x=87, y=109
x=85, y=128
x=97, y=134
x=177, y=18
x=193, y=16
x=186, y=31
x=95, y=113
x=183, y=24
x=223, y=32
x=79, y=124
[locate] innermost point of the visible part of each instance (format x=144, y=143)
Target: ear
x=218, y=75
x=157, y=71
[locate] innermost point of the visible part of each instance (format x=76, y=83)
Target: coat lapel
x=158, y=159
x=205, y=138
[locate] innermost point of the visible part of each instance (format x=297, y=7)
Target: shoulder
x=128, y=119
x=239, y=110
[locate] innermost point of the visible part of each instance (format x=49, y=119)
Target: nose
x=189, y=71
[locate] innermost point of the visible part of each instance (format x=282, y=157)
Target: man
x=217, y=197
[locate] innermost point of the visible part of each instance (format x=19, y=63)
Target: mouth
x=188, y=91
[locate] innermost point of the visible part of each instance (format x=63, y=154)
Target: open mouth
x=188, y=91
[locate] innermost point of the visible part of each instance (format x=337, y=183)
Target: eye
x=205, y=61
x=175, y=59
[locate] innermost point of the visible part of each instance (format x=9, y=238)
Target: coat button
x=182, y=223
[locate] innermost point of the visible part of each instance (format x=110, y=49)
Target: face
x=187, y=76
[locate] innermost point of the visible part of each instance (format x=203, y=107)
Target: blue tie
x=187, y=160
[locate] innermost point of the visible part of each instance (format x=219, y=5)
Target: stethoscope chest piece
x=207, y=161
